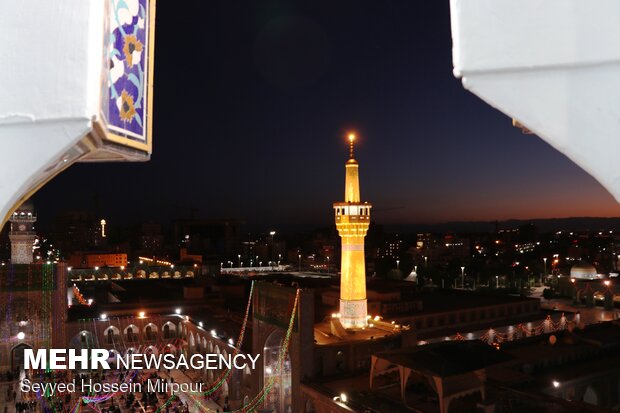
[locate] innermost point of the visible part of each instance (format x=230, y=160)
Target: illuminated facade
x=22, y=234
x=352, y=221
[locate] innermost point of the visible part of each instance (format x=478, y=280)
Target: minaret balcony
x=352, y=219
x=23, y=218
x=22, y=233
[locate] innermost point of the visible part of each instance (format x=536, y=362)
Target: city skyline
x=259, y=132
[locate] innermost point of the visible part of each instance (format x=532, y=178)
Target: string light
x=252, y=405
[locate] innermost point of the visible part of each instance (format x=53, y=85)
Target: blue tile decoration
x=125, y=100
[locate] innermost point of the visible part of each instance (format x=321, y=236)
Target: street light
x=328, y=264
x=425, y=261
x=398, y=264
x=545, y=260
x=299, y=257
x=463, y=277
x=239, y=256
x=497, y=281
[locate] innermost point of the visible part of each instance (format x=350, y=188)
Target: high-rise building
x=352, y=222
x=22, y=234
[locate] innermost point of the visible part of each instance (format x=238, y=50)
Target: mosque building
x=32, y=296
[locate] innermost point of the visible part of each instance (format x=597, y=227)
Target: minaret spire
x=351, y=141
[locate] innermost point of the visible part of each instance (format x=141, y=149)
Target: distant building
x=583, y=270
x=151, y=239
x=208, y=237
x=97, y=259
x=79, y=231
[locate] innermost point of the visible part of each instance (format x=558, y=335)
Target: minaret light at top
x=352, y=221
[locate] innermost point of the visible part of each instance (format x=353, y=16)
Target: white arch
x=85, y=339
x=135, y=332
x=247, y=377
x=153, y=327
x=192, y=342
x=171, y=328
x=111, y=334
x=152, y=349
x=153, y=331
x=590, y=396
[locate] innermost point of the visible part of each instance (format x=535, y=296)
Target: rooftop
x=446, y=359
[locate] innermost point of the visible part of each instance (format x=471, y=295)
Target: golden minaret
x=352, y=221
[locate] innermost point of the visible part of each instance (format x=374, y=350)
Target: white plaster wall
x=551, y=64
x=51, y=55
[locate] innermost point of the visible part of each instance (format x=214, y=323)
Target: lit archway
x=168, y=330
x=82, y=340
x=111, y=334
x=590, y=396
x=132, y=333
x=17, y=356
x=150, y=332
x=151, y=350
x=280, y=397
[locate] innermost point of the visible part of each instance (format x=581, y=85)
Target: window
x=340, y=361
x=130, y=334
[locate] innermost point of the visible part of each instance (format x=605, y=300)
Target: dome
x=583, y=270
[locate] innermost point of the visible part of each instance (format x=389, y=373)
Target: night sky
x=252, y=102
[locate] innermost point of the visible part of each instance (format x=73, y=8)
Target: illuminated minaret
x=352, y=221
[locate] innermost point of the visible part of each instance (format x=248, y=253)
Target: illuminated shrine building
x=352, y=221
x=22, y=234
